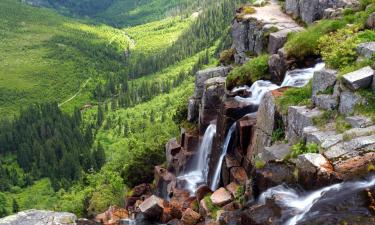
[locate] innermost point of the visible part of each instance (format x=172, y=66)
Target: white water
x=216, y=178
x=198, y=172
x=293, y=78
x=300, y=205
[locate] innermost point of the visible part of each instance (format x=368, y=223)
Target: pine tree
x=15, y=206
x=100, y=117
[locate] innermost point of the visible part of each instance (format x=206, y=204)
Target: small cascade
x=197, y=173
x=216, y=178
x=298, y=205
x=293, y=78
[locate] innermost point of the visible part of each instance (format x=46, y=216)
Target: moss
x=240, y=195
x=259, y=163
x=301, y=148
x=211, y=207
x=323, y=119
x=368, y=107
x=249, y=72
x=227, y=56
x=294, y=96
x=341, y=125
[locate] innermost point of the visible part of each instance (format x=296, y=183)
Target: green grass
x=295, y=96
x=47, y=57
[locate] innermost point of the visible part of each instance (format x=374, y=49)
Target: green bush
x=305, y=43
x=300, y=148
x=338, y=49
x=249, y=72
x=227, y=56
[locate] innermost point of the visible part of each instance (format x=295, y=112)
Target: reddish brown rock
x=162, y=179
x=355, y=166
x=130, y=201
x=142, y=189
x=172, y=148
x=238, y=175
x=232, y=188
x=190, y=142
x=190, y=217
x=272, y=175
x=245, y=132
x=152, y=207
x=112, y=216
x=203, y=209
x=221, y=197
x=233, y=206
x=180, y=195
x=202, y=191
x=229, y=162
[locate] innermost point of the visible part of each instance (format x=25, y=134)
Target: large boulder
x=221, y=197
x=163, y=179
x=322, y=80
x=276, y=152
x=238, y=175
x=190, y=217
x=202, y=191
x=39, y=217
x=348, y=100
x=152, y=207
x=367, y=49
x=361, y=78
x=203, y=75
x=359, y=121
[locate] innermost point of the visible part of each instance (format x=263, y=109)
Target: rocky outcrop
x=361, y=78
x=40, y=217
x=311, y=10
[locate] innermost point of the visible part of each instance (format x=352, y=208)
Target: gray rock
x=152, y=207
x=322, y=80
x=277, y=67
x=292, y=8
x=348, y=100
x=275, y=152
x=359, y=121
x=203, y=75
x=39, y=217
x=370, y=23
x=351, y=148
x=326, y=102
x=331, y=141
x=361, y=78
x=240, y=37
x=193, y=109
x=318, y=137
x=299, y=117
x=357, y=132
x=332, y=13
x=277, y=40
x=366, y=50
x=312, y=162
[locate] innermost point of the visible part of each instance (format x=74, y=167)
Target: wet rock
x=370, y=23
x=174, y=222
x=355, y=166
x=202, y=191
x=39, y=217
x=190, y=217
x=230, y=218
x=272, y=175
x=229, y=162
x=221, y=197
x=190, y=142
x=232, y=188
x=172, y=148
x=275, y=152
x=162, y=179
x=268, y=214
x=359, y=121
x=238, y=175
x=299, y=117
x=361, y=78
x=322, y=80
x=348, y=100
x=152, y=207
x=233, y=206
x=367, y=49
x=180, y=195
x=277, y=68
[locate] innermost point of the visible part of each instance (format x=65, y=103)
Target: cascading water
x=293, y=78
x=217, y=171
x=299, y=205
x=197, y=173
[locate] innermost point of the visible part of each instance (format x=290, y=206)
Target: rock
x=322, y=80
x=355, y=166
x=318, y=137
x=359, y=121
x=193, y=109
x=361, y=78
x=152, y=207
x=174, y=222
x=348, y=100
x=275, y=152
x=370, y=23
x=326, y=102
x=230, y=218
x=232, y=188
x=221, y=197
x=190, y=217
x=204, y=211
x=267, y=214
x=273, y=174
x=239, y=36
x=172, y=148
x=202, y=191
x=211, y=101
x=332, y=13
x=238, y=175
x=190, y=142
x=162, y=179
x=233, y=206
x=277, y=68
x=203, y=75
x=39, y=217
x=229, y=162
x=367, y=49
x=277, y=40
x=299, y=117
x=355, y=147
x=313, y=162
x=142, y=189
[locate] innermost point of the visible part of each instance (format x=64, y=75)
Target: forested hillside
x=87, y=108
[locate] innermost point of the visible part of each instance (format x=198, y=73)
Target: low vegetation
x=213, y=209
x=294, y=96
x=302, y=148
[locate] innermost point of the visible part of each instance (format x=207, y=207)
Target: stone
x=193, y=109
x=367, y=49
x=322, y=80
x=361, y=78
x=299, y=117
x=359, y=121
x=313, y=162
x=238, y=175
x=39, y=217
x=172, y=148
x=230, y=218
x=202, y=191
x=239, y=36
x=152, y=207
x=190, y=217
x=348, y=100
x=275, y=152
x=162, y=180
x=233, y=206
x=277, y=40
x=358, y=132
x=332, y=13
x=232, y=188
x=318, y=137
x=142, y=189
x=273, y=174
x=203, y=75
x=326, y=102
x=174, y=222
x=229, y=162
x=277, y=67
x=221, y=197
x=355, y=166
x=190, y=142
x=370, y=23
x=350, y=148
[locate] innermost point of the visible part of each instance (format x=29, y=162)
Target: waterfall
x=198, y=171
x=216, y=178
x=301, y=204
x=293, y=78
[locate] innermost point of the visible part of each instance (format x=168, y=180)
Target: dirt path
x=76, y=94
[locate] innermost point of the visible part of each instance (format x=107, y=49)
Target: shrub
x=249, y=72
x=338, y=49
x=366, y=36
x=227, y=56
x=300, y=148
x=305, y=43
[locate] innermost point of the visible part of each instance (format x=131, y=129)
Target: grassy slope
x=46, y=57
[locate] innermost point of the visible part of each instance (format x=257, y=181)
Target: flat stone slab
x=275, y=152
x=312, y=162
x=366, y=50
x=359, y=121
x=361, y=78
